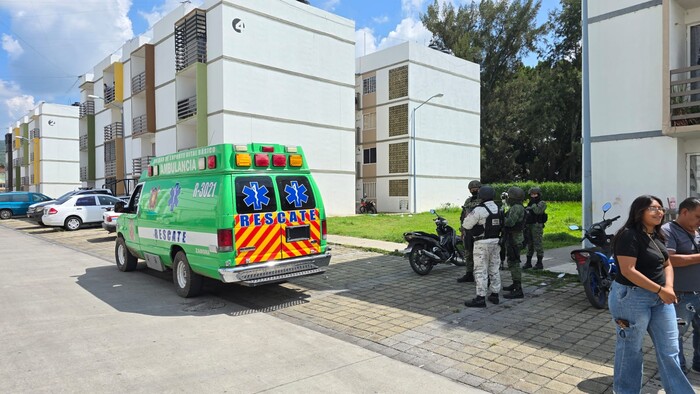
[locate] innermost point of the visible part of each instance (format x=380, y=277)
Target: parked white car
x=74, y=211
x=109, y=220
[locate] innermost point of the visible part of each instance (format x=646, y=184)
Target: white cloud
x=380, y=19
x=329, y=5
x=11, y=46
x=409, y=29
x=365, y=42
x=16, y=103
x=158, y=12
x=411, y=7
x=18, y=106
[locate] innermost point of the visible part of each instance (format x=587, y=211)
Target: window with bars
x=398, y=188
x=370, y=156
x=398, y=158
x=369, y=85
x=369, y=121
x=398, y=82
x=398, y=120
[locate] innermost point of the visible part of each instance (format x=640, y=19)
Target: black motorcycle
x=425, y=250
x=367, y=206
x=596, y=265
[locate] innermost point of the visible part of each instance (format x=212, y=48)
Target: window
x=5, y=198
x=39, y=198
x=107, y=200
x=295, y=193
x=369, y=121
x=24, y=197
x=693, y=175
x=255, y=194
x=398, y=82
x=86, y=201
x=369, y=85
x=370, y=156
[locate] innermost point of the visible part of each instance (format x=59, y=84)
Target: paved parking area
x=552, y=341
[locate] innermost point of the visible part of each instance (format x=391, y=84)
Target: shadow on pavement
x=596, y=385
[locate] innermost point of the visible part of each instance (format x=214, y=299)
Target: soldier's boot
x=510, y=288
x=468, y=277
x=528, y=263
x=478, y=302
x=539, y=265
x=517, y=292
x=493, y=298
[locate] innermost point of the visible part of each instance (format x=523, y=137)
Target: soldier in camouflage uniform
x=513, y=238
x=467, y=238
x=535, y=218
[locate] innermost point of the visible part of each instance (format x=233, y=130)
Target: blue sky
x=45, y=45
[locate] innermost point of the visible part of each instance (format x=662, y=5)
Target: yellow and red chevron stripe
x=256, y=244
x=305, y=247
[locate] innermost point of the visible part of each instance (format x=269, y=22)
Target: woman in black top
x=641, y=300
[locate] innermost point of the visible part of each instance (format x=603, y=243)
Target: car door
x=256, y=226
x=300, y=232
x=105, y=203
x=88, y=210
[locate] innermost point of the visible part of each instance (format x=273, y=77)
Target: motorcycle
x=367, y=206
x=596, y=265
x=425, y=250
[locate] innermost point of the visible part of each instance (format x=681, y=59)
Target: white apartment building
x=45, y=150
x=241, y=71
x=418, y=128
x=644, y=100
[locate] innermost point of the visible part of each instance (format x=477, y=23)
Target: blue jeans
x=636, y=311
x=687, y=310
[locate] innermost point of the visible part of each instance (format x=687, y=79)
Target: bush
x=551, y=191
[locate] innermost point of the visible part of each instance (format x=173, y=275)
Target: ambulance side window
x=255, y=194
x=295, y=193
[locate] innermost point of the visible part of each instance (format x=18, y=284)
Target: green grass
x=390, y=227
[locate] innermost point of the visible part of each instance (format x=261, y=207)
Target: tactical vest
x=492, y=227
x=531, y=218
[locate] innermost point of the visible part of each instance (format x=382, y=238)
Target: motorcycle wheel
x=363, y=210
x=420, y=264
x=592, y=285
x=460, y=258
x=372, y=210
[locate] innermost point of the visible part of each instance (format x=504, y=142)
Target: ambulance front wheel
x=125, y=260
x=187, y=282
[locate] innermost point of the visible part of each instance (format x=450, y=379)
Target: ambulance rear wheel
x=187, y=282
x=125, y=260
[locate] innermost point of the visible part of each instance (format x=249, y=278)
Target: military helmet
x=535, y=190
x=516, y=194
x=474, y=184
x=486, y=193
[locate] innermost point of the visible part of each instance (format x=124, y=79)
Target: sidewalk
x=555, y=260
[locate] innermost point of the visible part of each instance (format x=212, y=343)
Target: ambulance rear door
x=256, y=228
x=300, y=221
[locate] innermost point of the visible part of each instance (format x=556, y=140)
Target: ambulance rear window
x=255, y=194
x=295, y=193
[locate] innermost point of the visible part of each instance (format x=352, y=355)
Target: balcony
x=31, y=180
x=110, y=169
x=31, y=156
x=34, y=133
x=114, y=131
x=138, y=83
x=139, y=125
x=141, y=163
x=191, y=39
x=87, y=108
x=685, y=96
x=186, y=108
x=17, y=162
x=83, y=142
x=109, y=94
x=83, y=174
x=25, y=181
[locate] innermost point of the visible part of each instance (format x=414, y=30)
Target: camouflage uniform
x=534, y=230
x=468, y=240
x=513, y=233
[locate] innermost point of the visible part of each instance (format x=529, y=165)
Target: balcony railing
x=83, y=174
x=138, y=83
x=17, y=162
x=31, y=180
x=141, y=163
x=114, y=131
x=87, y=108
x=34, y=133
x=25, y=181
x=110, y=169
x=31, y=156
x=685, y=96
x=109, y=94
x=139, y=125
x=187, y=107
x=83, y=142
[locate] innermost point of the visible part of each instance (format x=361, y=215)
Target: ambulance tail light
x=242, y=160
x=279, y=160
x=324, y=229
x=268, y=148
x=211, y=162
x=296, y=160
x=262, y=160
x=224, y=238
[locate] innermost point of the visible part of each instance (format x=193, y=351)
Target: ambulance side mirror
x=119, y=207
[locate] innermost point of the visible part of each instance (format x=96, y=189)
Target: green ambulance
x=248, y=214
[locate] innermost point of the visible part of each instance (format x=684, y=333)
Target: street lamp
x=121, y=115
x=413, y=137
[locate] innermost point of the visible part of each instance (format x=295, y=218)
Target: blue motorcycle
x=596, y=265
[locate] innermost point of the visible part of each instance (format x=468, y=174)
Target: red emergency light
x=279, y=160
x=262, y=160
x=268, y=148
x=211, y=162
